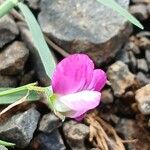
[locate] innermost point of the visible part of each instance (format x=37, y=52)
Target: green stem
x=6, y=143
x=30, y=87
x=14, y=90
x=7, y=6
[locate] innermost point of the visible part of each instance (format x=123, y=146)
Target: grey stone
x=130, y=129
x=85, y=27
x=8, y=81
x=143, y=34
x=3, y=147
x=122, y=55
x=107, y=96
x=52, y=141
x=140, y=11
x=132, y=61
x=120, y=77
x=75, y=134
x=148, y=9
x=49, y=122
x=149, y=123
x=144, y=43
x=20, y=128
x=142, y=65
x=142, y=96
x=142, y=79
x=132, y=47
x=8, y=30
x=128, y=96
x=13, y=58
x=114, y=118
x=147, y=56
x=109, y=117
x=33, y=4
x=35, y=58
x=27, y=78
x=140, y=1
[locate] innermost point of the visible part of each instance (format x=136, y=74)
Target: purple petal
x=80, y=118
x=98, y=81
x=72, y=74
x=80, y=102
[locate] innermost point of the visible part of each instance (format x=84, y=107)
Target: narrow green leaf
x=7, y=91
x=39, y=41
x=7, y=6
x=116, y=7
x=7, y=144
x=10, y=98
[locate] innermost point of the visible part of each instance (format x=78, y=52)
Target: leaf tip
x=138, y=24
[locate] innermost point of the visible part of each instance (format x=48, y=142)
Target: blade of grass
x=11, y=95
x=8, y=144
x=5, y=91
x=10, y=98
x=116, y=7
x=7, y=6
x=39, y=41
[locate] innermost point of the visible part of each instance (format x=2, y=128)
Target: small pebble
x=51, y=141
x=8, y=30
x=120, y=78
x=142, y=79
x=107, y=96
x=13, y=58
x=49, y=122
x=75, y=134
x=147, y=56
x=142, y=65
x=132, y=62
x=139, y=11
x=142, y=97
x=134, y=48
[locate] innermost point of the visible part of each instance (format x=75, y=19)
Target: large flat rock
x=85, y=26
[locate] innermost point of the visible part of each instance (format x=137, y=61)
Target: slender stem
x=56, y=47
x=7, y=6
x=8, y=144
x=36, y=88
x=14, y=90
x=29, y=87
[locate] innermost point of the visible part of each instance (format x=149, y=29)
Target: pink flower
x=76, y=86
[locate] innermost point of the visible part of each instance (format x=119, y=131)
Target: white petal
x=78, y=103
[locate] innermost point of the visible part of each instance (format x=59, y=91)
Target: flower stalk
x=30, y=87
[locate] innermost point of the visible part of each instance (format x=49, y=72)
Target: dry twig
x=103, y=135
x=56, y=47
x=13, y=105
